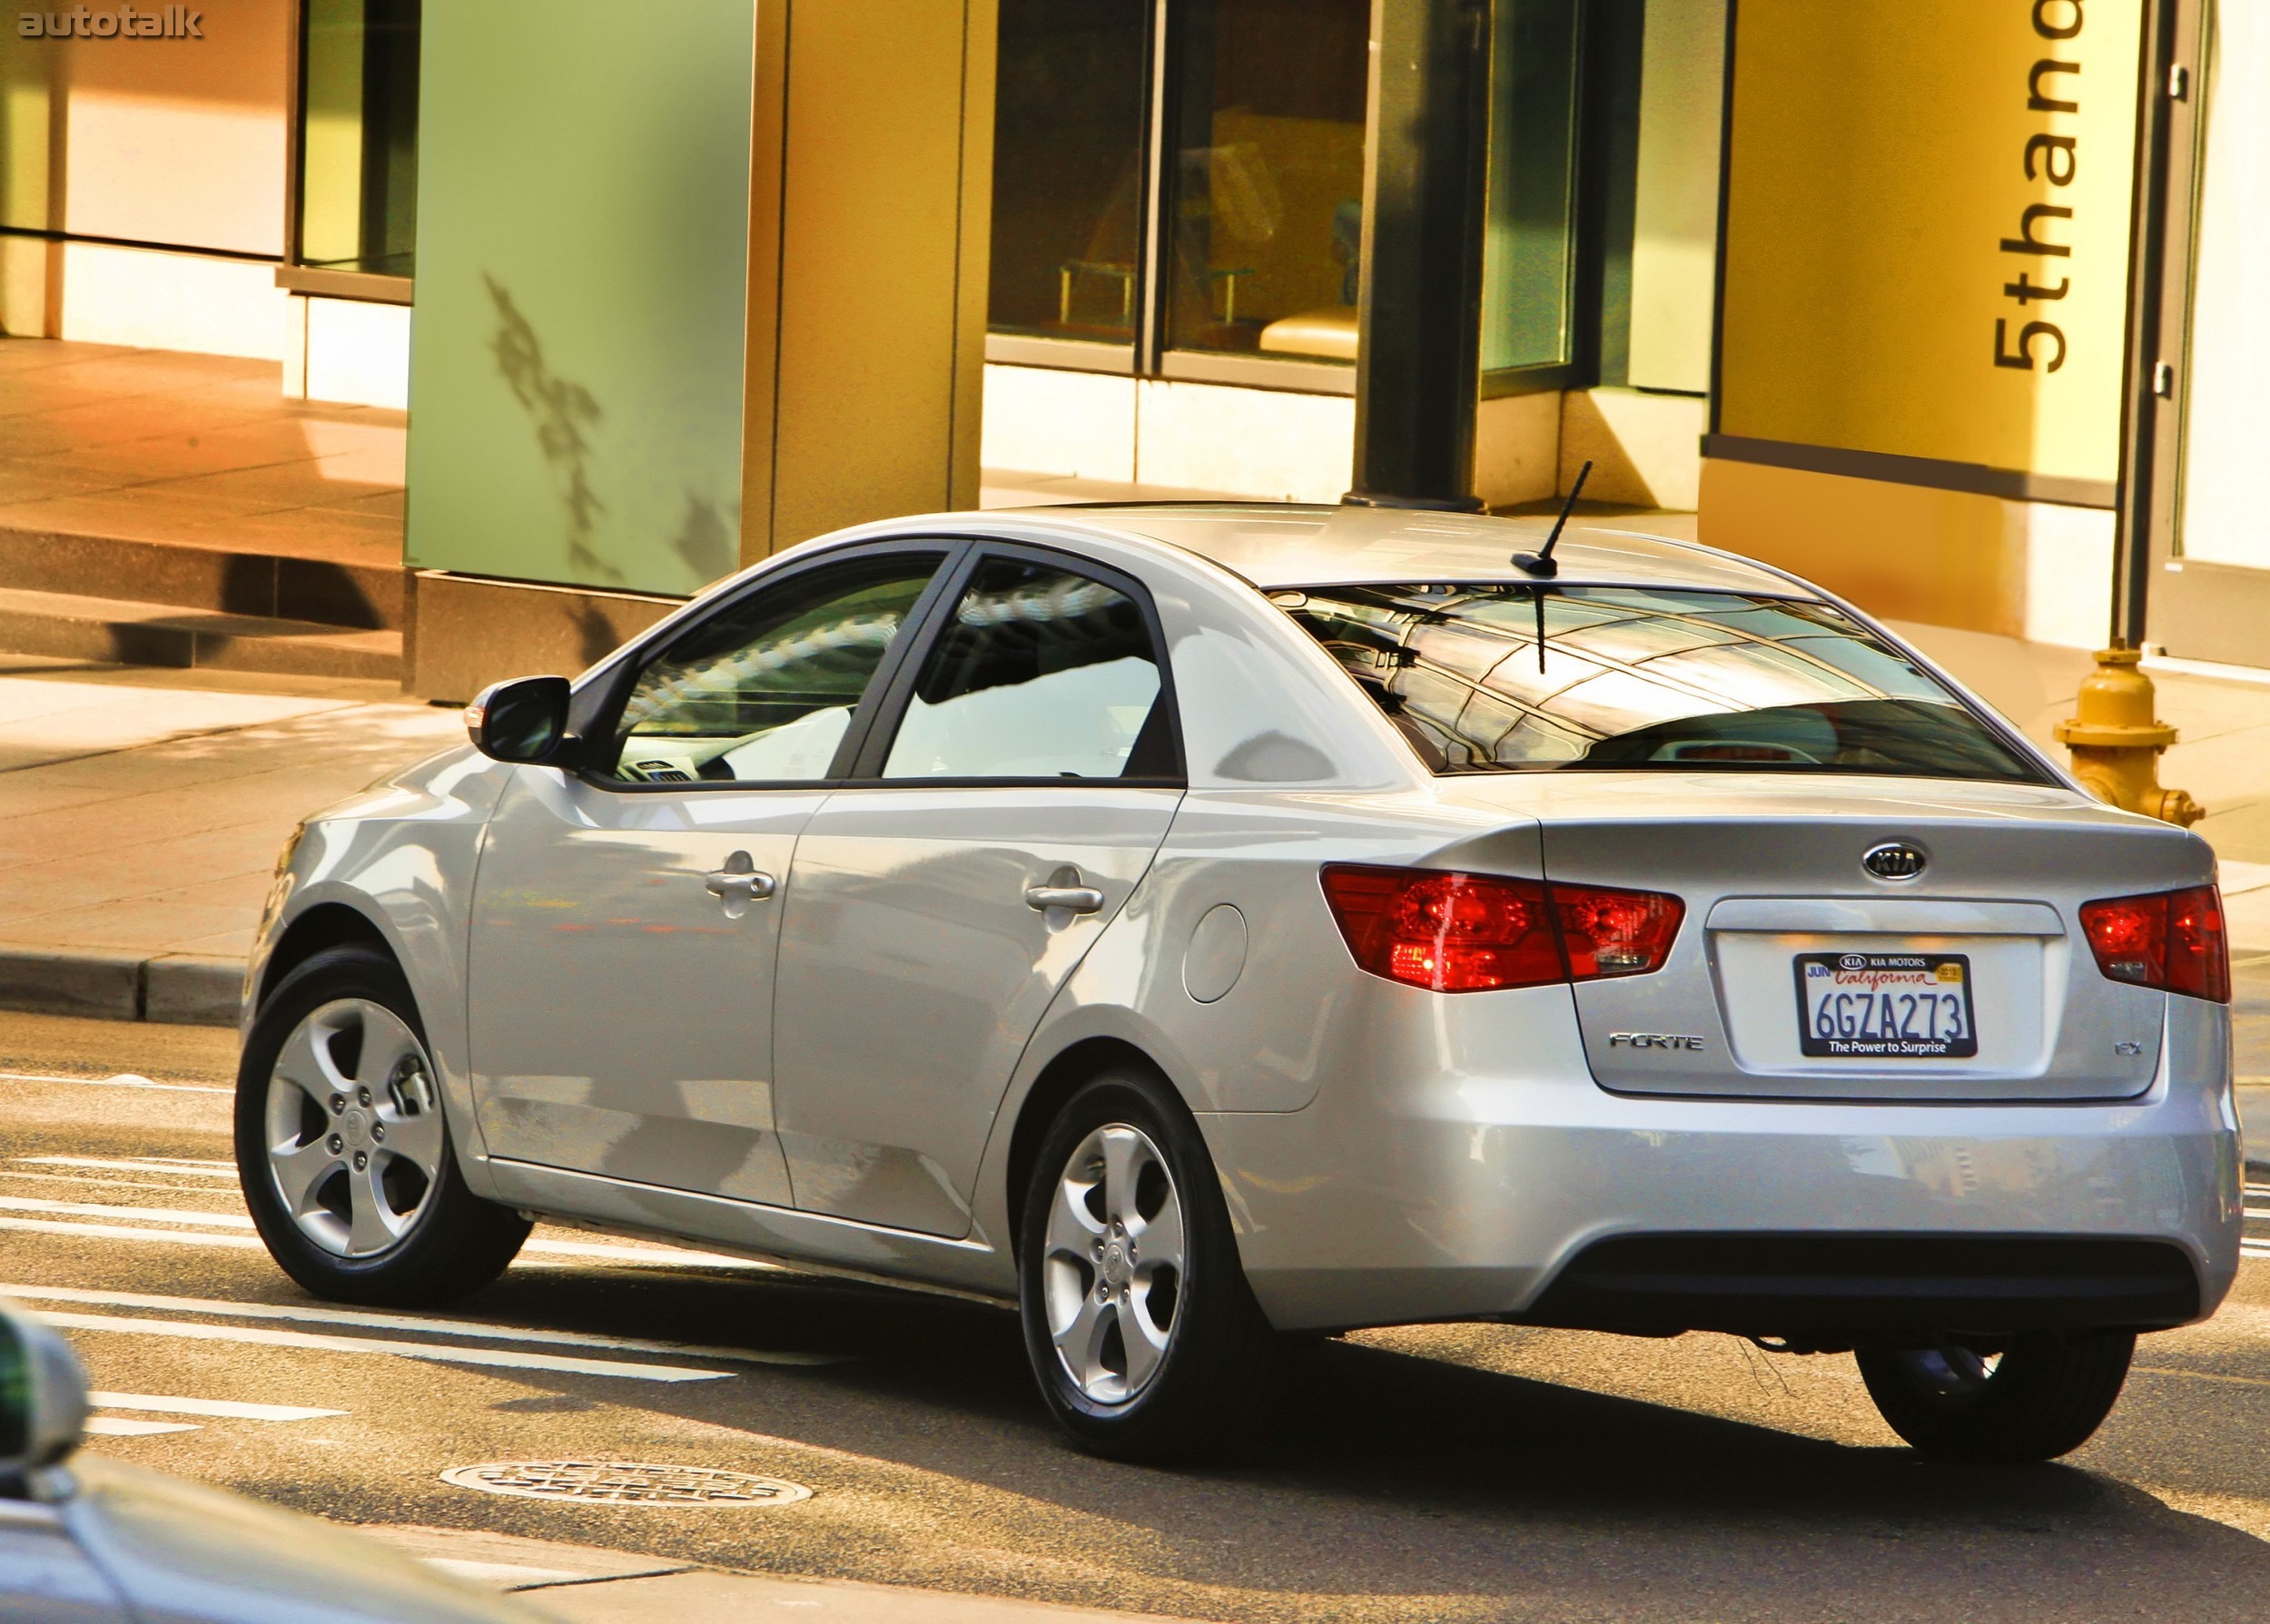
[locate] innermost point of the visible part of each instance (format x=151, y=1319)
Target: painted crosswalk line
x=440, y=1353
x=535, y=1250
x=182, y=1165
x=147, y=1215
x=119, y=1231
x=123, y=1080
x=370, y=1320
x=234, y=1409
x=123, y=1427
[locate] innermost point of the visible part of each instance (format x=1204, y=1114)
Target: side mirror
x=524, y=720
x=42, y=1398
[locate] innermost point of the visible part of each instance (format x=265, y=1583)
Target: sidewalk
x=582, y=1585
x=141, y=812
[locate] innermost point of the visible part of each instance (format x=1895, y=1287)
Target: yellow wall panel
x=1877, y=164
x=1905, y=552
x=869, y=256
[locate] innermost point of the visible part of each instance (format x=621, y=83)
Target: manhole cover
x=625, y=1484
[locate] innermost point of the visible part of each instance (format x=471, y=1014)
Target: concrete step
x=269, y=586
x=119, y=631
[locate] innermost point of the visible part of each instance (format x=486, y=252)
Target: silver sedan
x=1199, y=924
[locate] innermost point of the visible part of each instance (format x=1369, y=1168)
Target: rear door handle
x=1064, y=890
x=740, y=884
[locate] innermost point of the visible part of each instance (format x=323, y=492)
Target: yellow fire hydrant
x=2116, y=741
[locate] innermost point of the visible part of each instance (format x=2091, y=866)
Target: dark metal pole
x=1418, y=367
x=2141, y=378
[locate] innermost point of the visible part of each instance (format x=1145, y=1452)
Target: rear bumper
x=1460, y=1193
x=1840, y=1290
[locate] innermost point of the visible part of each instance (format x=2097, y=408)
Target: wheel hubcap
x=355, y=1138
x=1113, y=1270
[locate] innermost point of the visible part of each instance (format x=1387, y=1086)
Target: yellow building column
x=870, y=196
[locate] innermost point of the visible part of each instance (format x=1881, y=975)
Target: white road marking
x=439, y=1352
x=109, y=1182
x=478, y=1329
x=115, y=1232
x=650, y=1257
x=120, y=1426
x=148, y=1215
x=124, y=1079
x=653, y=1256
x=229, y=1407
x=180, y=1165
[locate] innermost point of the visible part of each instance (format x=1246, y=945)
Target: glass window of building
x=1068, y=174
x=1265, y=216
x=1529, y=246
x=358, y=136
x=1183, y=181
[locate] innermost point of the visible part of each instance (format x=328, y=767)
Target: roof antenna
x=1541, y=563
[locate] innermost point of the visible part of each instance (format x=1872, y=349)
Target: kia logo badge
x=1895, y=860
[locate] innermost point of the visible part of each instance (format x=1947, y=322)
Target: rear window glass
x=1632, y=678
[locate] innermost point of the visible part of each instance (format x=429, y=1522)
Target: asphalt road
x=1444, y=1473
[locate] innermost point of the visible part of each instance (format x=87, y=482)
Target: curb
x=178, y=988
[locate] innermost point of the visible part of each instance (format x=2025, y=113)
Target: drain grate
x=625, y=1484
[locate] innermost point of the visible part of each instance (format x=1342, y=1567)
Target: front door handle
x=740, y=884
x=1064, y=890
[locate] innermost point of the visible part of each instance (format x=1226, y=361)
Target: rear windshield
x=1634, y=677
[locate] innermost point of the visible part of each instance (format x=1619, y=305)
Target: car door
x=1019, y=778
x=625, y=915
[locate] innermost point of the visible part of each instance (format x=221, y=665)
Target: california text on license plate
x=1885, y=1006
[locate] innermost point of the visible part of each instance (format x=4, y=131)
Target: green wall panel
x=576, y=381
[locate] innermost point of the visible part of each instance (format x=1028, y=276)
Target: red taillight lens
x=2171, y=939
x=1615, y=933
x=1453, y=932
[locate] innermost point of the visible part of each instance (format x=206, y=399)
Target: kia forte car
x=1202, y=924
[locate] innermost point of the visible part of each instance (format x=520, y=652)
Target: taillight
x=1453, y=932
x=2171, y=939
x=1615, y=933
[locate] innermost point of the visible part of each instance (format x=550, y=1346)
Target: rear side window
x=1040, y=672
x=1629, y=678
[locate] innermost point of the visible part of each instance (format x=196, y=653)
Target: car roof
x=1289, y=543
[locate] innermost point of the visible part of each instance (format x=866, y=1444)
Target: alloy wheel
x=1113, y=1269
x=354, y=1129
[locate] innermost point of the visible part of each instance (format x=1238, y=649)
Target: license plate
x=1885, y=1006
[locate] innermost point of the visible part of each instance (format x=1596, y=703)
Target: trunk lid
x=1782, y=919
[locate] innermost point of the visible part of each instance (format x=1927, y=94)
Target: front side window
x=1628, y=678
x=763, y=691
x=1039, y=674
x=358, y=137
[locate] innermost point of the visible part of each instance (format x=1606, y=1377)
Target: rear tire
x=1142, y=1332
x=2041, y=1397
x=343, y=1147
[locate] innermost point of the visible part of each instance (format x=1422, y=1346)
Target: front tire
x=2033, y=1397
x=1142, y=1332
x=343, y=1147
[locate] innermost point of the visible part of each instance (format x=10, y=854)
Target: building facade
x=1848, y=285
